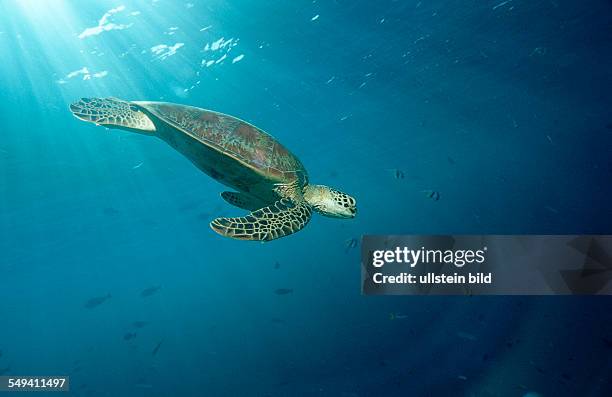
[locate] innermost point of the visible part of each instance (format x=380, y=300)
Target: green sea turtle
x=270, y=181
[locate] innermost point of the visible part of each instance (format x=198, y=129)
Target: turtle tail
x=113, y=113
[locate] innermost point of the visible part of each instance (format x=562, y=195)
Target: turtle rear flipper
x=112, y=113
x=244, y=201
x=282, y=218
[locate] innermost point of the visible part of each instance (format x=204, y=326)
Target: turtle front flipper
x=113, y=113
x=244, y=201
x=282, y=218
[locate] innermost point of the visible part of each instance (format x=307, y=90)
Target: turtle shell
x=234, y=138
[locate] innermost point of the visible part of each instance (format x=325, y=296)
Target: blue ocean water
x=109, y=272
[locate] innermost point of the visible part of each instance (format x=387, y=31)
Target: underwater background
x=110, y=273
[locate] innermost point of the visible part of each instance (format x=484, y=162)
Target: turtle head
x=330, y=202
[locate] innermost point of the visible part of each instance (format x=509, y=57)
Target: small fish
x=397, y=173
x=462, y=377
x=432, y=194
x=139, y=324
x=397, y=316
x=350, y=243
x=283, y=291
x=539, y=51
x=450, y=160
x=156, y=349
x=137, y=166
x=276, y=265
x=97, y=301
x=129, y=336
x=4, y=370
x=150, y=291
x=551, y=209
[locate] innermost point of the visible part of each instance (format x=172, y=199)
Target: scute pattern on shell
x=235, y=137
